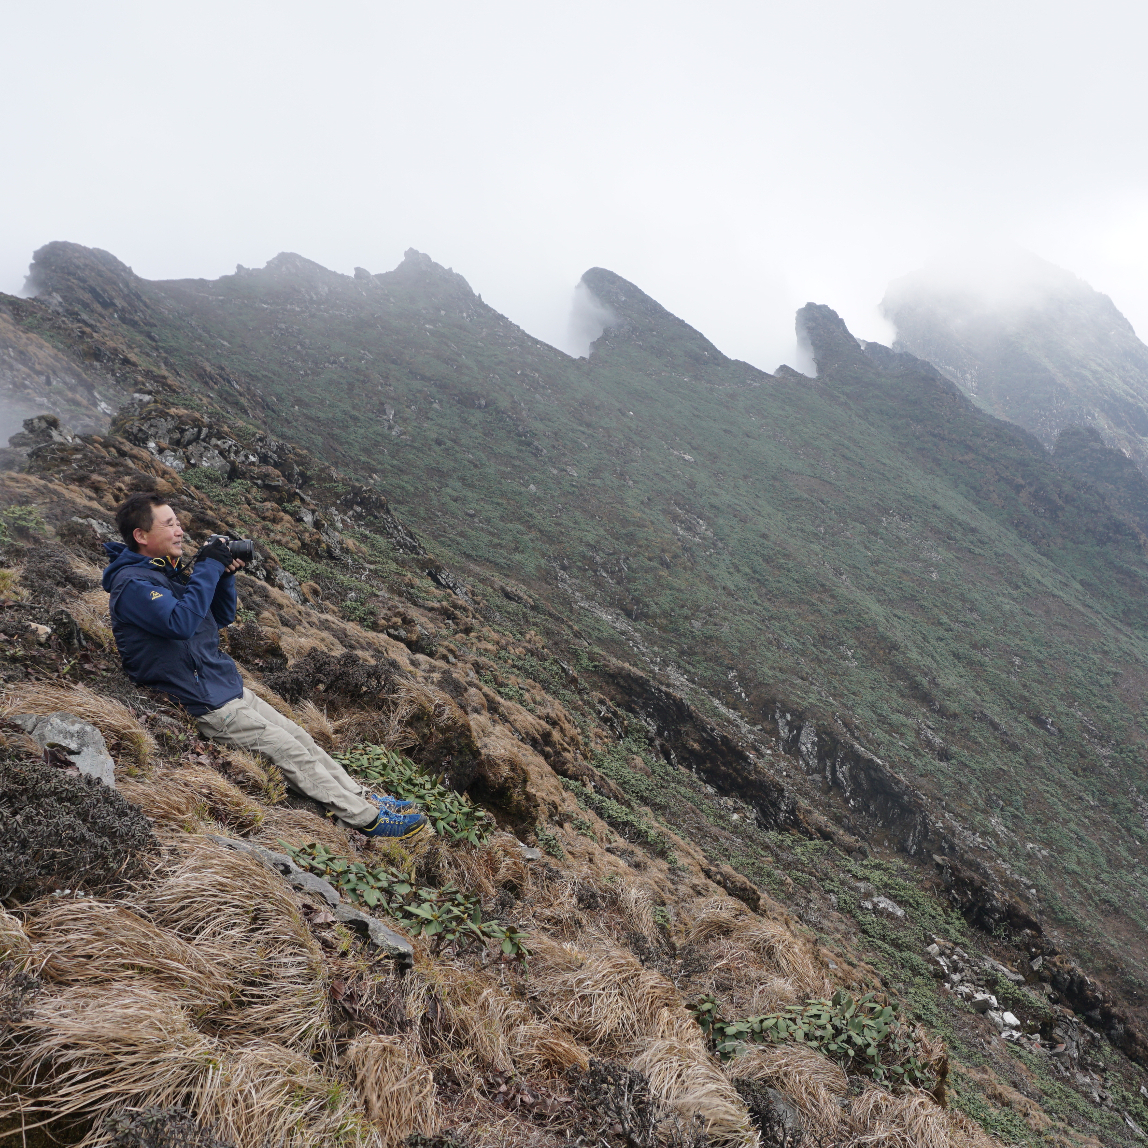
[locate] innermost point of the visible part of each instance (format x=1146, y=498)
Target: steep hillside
x=177, y=974
x=1030, y=343
x=810, y=625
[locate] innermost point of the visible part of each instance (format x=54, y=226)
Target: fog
x=734, y=160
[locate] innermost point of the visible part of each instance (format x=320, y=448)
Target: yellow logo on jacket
x=156, y=594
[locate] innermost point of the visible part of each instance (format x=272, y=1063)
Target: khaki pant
x=250, y=723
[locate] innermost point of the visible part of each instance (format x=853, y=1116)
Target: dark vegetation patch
x=60, y=830
x=48, y=569
x=159, y=1128
x=345, y=678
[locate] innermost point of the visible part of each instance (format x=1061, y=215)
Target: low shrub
x=62, y=830
x=625, y=822
x=863, y=1035
x=318, y=673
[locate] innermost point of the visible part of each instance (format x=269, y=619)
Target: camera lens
x=242, y=548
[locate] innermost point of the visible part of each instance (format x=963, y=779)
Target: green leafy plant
x=862, y=1034
x=452, y=814
x=548, y=841
x=448, y=916
x=21, y=522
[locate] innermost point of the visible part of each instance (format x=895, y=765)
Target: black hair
x=136, y=513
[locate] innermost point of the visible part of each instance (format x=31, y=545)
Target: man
x=166, y=621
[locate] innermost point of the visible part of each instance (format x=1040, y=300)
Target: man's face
x=164, y=539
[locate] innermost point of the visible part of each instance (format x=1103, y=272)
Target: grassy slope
x=865, y=544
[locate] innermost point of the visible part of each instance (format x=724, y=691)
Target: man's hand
x=238, y=564
x=218, y=550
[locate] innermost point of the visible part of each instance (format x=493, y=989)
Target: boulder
x=77, y=739
x=889, y=907
x=982, y=1002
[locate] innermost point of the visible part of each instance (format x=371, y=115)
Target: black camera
x=241, y=548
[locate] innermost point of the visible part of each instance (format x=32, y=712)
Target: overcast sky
x=733, y=159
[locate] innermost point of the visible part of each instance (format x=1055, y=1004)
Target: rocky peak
x=637, y=318
x=834, y=349
x=88, y=281
x=1031, y=343
x=419, y=273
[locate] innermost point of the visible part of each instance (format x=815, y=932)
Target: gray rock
x=1007, y=973
x=995, y=1017
x=80, y=740
x=529, y=854
x=374, y=932
x=1136, y=1129
x=889, y=907
x=982, y=1002
x=1010, y=1020
x=283, y=865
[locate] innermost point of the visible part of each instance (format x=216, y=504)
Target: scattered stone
x=78, y=740
x=1136, y=1129
x=374, y=932
x=531, y=854
x=996, y=1017
x=39, y=632
x=934, y=950
x=1036, y=963
x=1010, y=1020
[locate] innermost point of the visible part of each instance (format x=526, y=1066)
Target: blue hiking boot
x=389, y=804
x=394, y=825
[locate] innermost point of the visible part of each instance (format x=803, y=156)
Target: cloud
x=589, y=317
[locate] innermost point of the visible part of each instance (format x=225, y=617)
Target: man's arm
x=155, y=609
x=225, y=602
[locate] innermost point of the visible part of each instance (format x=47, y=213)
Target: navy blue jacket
x=166, y=625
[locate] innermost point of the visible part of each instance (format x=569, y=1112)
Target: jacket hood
x=120, y=556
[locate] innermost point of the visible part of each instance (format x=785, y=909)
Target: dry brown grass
x=322, y=729
x=14, y=943
x=482, y=870
x=255, y=774
x=397, y=1088
x=90, y=610
x=83, y=941
x=812, y=1081
x=113, y=719
x=224, y=800
x=172, y=805
x=684, y=1077
x=387, y=724
x=606, y=999
x=911, y=1120
x=10, y=590
x=715, y=918
x=211, y=896
x=94, y=1049
x=474, y=1021
x=783, y=950
x=298, y=827
x=190, y=794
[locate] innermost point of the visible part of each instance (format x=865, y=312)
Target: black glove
x=217, y=549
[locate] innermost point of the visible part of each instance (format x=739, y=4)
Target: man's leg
x=249, y=723
x=273, y=717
